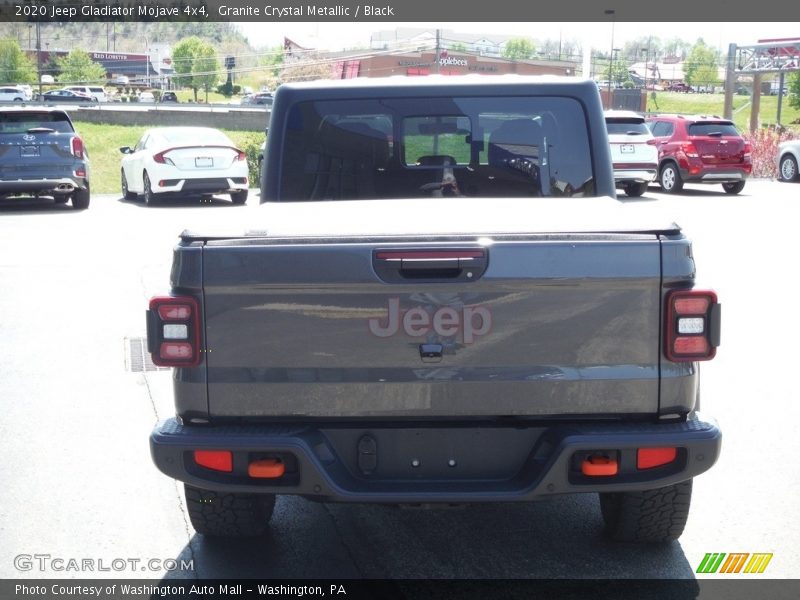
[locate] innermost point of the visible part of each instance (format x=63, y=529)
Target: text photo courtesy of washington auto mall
x=325, y=299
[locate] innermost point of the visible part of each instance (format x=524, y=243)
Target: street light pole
x=612, y=13
x=39, y=56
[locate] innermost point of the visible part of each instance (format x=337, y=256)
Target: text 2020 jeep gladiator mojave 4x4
x=441, y=302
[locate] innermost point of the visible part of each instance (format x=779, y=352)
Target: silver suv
x=42, y=155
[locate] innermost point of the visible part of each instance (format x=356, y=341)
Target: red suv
x=700, y=149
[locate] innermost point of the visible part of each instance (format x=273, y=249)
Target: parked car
x=27, y=90
x=168, y=97
x=679, y=86
x=788, y=158
x=700, y=149
x=65, y=95
x=262, y=98
x=184, y=161
x=633, y=151
x=122, y=80
x=12, y=94
x=95, y=91
x=146, y=97
x=42, y=156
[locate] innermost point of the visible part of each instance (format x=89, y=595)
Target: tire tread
x=218, y=514
x=653, y=516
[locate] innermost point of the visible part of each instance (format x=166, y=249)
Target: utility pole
x=730, y=82
x=438, y=49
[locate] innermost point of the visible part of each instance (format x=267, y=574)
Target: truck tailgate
x=556, y=324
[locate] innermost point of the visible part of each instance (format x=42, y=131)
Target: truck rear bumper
x=435, y=463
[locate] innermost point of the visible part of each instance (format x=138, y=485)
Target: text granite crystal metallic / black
x=440, y=301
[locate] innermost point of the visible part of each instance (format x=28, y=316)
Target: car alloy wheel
x=788, y=168
x=670, y=179
x=149, y=198
x=126, y=193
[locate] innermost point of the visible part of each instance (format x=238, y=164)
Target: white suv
x=95, y=91
x=633, y=151
x=12, y=94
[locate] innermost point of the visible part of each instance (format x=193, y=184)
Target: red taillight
x=692, y=325
x=648, y=458
x=689, y=149
x=748, y=148
x=241, y=155
x=651, y=142
x=175, y=312
x=691, y=306
x=173, y=331
x=216, y=460
x=159, y=158
x=77, y=147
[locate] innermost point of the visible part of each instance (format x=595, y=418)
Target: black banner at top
x=321, y=11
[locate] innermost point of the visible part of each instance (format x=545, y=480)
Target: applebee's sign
x=469, y=323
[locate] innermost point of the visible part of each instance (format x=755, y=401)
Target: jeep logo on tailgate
x=472, y=322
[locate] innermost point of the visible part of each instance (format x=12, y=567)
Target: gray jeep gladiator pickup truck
x=441, y=301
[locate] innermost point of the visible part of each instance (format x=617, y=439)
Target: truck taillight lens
x=77, y=147
x=692, y=325
x=173, y=331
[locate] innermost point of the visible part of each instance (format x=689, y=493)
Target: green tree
x=272, y=61
x=700, y=65
x=519, y=49
x=15, y=66
x=196, y=65
x=618, y=72
x=205, y=68
x=794, y=90
x=77, y=67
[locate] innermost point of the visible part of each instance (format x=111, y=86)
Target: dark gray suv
x=42, y=155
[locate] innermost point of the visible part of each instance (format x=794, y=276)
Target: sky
x=337, y=36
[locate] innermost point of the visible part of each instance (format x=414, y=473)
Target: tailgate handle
x=430, y=265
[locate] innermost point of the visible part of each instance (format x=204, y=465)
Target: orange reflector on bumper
x=599, y=466
x=647, y=458
x=266, y=468
x=216, y=460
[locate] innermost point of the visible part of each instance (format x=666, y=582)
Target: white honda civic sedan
x=184, y=161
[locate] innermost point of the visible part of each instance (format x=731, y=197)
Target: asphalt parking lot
x=74, y=459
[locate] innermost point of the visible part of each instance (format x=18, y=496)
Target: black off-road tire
x=239, y=197
x=634, y=190
x=80, y=199
x=218, y=514
x=652, y=516
x=733, y=188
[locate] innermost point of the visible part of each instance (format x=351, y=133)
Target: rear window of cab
x=516, y=146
